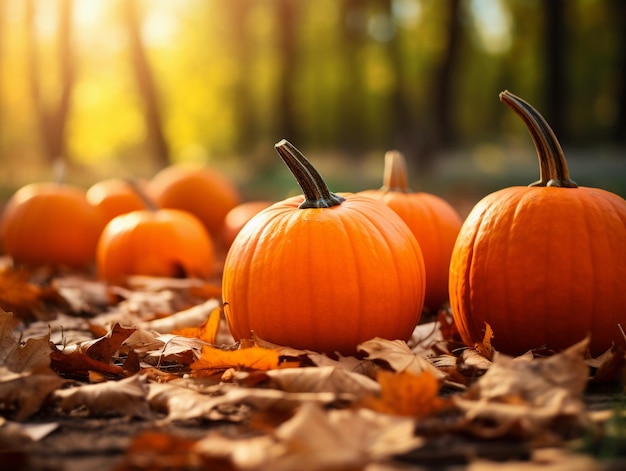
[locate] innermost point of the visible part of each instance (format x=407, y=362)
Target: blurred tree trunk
x=556, y=84
x=443, y=133
x=286, y=16
x=146, y=85
x=52, y=115
x=619, y=129
x=242, y=97
x=353, y=36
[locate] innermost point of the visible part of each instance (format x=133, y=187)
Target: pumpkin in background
x=155, y=242
x=237, y=217
x=51, y=224
x=433, y=221
x=202, y=191
x=114, y=196
x=323, y=271
x=543, y=265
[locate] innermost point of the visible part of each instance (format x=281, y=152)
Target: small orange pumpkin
x=323, y=271
x=433, y=221
x=114, y=196
x=51, y=224
x=543, y=265
x=154, y=242
x=237, y=217
x=202, y=191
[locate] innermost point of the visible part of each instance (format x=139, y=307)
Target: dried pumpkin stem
x=316, y=192
x=395, y=173
x=148, y=203
x=553, y=169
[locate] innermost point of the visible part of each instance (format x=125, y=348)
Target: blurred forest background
x=124, y=87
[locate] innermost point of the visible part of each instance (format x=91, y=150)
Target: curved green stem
x=395, y=173
x=316, y=192
x=553, y=169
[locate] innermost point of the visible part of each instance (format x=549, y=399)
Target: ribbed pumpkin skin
x=239, y=216
x=435, y=224
x=202, y=191
x=51, y=224
x=165, y=243
x=543, y=266
x=324, y=279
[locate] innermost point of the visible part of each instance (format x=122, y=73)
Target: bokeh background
x=125, y=87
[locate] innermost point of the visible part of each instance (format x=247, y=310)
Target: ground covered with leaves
x=146, y=376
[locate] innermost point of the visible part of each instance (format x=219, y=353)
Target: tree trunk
x=555, y=41
x=146, y=85
x=286, y=16
x=619, y=128
x=52, y=117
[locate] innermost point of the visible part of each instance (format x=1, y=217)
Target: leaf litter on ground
x=159, y=350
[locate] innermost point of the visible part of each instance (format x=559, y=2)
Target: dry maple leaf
x=315, y=440
x=127, y=397
x=207, y=331
x=406, y=394
x=26, y=379
x=97, y=355
x=398, y=356
x=23, y=298
x=527, y=396
x=215, y=360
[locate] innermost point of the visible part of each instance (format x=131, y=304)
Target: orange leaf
x=207, y=331
x=253, y=358
x=406, y=394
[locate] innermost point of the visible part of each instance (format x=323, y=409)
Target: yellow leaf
x=485, y=348
x=406, y=394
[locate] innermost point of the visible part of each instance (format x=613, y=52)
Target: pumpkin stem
x=395, y=173
x=148, y=203
x=316, y=192
x=553, y=169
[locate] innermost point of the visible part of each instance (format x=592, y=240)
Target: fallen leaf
x=398, y=356
x=319, y=379
x=527, y=396
x=315, y=439
x=215, y=360
x=127, y=398
x=406, y=394
x=26, y=379
x=485, y=348
x=207, y=331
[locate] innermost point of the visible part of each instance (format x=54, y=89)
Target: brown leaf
x=26, y=379
x=98, y=355
x=398, y=356
x=485, y=348
x=127, y=397
x=527, y=396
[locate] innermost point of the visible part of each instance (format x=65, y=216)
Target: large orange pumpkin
x=155, y=242
x=51, y=224
x=543, y=265
x=433, y=221
x=200, y=190
x=323, y=271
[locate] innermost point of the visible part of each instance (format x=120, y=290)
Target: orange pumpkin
x=200, y=190
x=323, y=271
x=50, y=224
x=543, y=265
x=155, y=242
x=237, y=217
x=114, y=196
x=433, y=221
